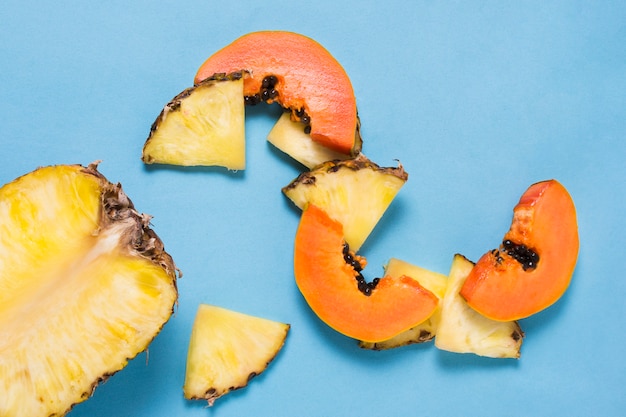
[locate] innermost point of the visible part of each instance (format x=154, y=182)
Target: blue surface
x=477, y=100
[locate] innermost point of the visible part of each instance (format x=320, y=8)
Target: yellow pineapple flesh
x=463, y=330
x=203, y=125
x=425, y=331
x=355, y=192
x=85, y=285
x=227, y=349
x=290, y=137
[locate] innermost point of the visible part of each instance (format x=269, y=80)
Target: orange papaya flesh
x=330, y=285
x=533, y=266
x=301, y=75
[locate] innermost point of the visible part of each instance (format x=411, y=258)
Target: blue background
x=476, y=99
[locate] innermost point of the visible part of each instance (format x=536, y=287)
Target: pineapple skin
x=65, y=365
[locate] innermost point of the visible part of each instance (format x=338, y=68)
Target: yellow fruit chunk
x=227, y=349
x=85, y=285
x=203, y=125
x=425, y=331
x=355, y=192
x=463, y=330
x=288, y=136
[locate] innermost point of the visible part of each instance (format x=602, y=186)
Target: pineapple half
x=202, y=125
x=290, y=137
x=463, y=330
x=227, y=349
x=355, y=192
x=85, y=285
x=425, y=331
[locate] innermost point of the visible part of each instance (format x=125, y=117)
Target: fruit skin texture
x=544, y=221
x=329, y=286
x=85, y=285
x=227, y=349
x=309, y=78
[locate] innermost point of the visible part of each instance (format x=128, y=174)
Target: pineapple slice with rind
x=425, y=331
x=463, y=330
x=290, y=137
x=227, y=349
x=85, y=285
x=202, y=125
x=355, y=192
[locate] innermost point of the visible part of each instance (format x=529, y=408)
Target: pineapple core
x=84, y=285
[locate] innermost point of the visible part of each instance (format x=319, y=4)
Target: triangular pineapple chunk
x=289, y=136
x=85, y=285
x=203, y=125
x=355, y=192
x=227, y=349
x=425, y=331
x=462, y=330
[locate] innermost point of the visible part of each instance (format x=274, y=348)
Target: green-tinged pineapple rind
x=87, y=323
x=203, y=125
x=355, y=192
x=463, y=330
x=227, y=349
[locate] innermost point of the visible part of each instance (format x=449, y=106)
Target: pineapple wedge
x=85, y=285
x=355, y=192
x=463, y=330
x=203, y=125
x=423, y=332
x=227, y=349
x=289, y=136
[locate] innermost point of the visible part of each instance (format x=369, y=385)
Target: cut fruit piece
x=302, y=76
x=534, y=265
x=85, y=285
x=425, y=331
x=329, y=277
x=355, y=192
x=463, y=330
x=287, y=135
x=203, y=125
x=227, y=349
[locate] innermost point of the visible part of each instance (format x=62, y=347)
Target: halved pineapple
x=227, y=349
x=85, y=285
x=355, y=192
x=203, y=125
x=425, y=331
x=462, y=330
x=290, y=137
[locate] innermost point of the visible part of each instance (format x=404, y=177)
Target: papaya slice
x=533, y=266
x=299, y=74
x=329, y=277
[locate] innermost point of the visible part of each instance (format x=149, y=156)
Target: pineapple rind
x=355, y=192
x=90, y=286
x=288, y=136
x=463, y=330
x=227, y=349
x=202, y=125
